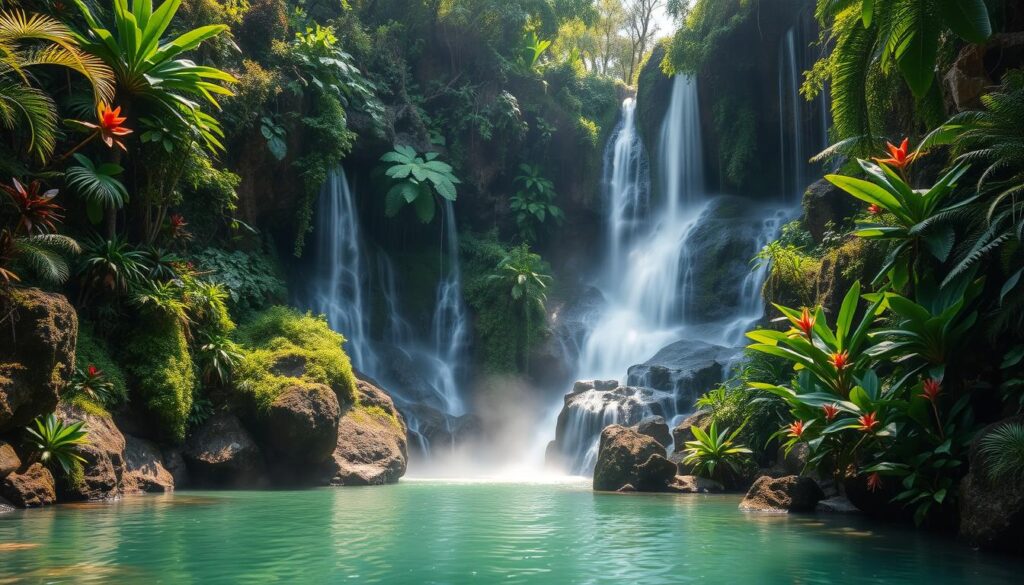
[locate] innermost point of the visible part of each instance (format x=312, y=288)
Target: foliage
x=534, y=203
x=90, y=350
x=217, y=359
x=415, y=179
x=755, y=415
x=252, y=280
x=109, y=267
x=97, y=184
x=92, y=383
x=532, y=50
x=52, y=442
x=30, y=246
x=1003, y=450
x=712, y=451
x=279, y=338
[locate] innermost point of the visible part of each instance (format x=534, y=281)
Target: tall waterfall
x=450, y=326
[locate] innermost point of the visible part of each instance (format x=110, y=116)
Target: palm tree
x=517, y=274
x=26, y=42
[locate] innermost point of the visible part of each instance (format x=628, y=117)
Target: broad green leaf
x=967, y=18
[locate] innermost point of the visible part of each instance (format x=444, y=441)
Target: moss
x=157, y=359
x=83, y=403
x=93, y=350
x=283, y=348
x=361, y=413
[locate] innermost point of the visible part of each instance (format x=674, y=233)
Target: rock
x=656, y=428
x=692, y=484
x=175, y=464
x=682, y=433
x=37, y=355
x=685, y=368
x=9, y=461
x=6, y=506
x=823, y=202
x=626, y=489
x=836, y=505
x=144, y=467
x=784, y=494
x=792, y=463
x=627, y=457
x=978, y=67
x=372, y=447
x=584, y=385
x=31, y=489
x=221, y=453
x=104, y=467
x=303, y=423
x=992, y=509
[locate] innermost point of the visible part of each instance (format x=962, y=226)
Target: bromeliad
x=899, y=158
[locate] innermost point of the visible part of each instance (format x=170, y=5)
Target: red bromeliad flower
x=831, y=410
x=931, y=389
x=796, y=429
x=840, y=360
x=93, y=371
x=806, y=322
x=874, y=481
x=868, y=422
x=874, y=209
x=37, y=212
x=110, y=128
x=898, y=156
x=178, y=225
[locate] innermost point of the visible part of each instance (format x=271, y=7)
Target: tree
x=519, y=276
x=641, y=28
x=610, y=20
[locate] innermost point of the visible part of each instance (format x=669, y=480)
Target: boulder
x=371, y=447
x=784, y=494
x=31, y=489
x=692, y=484
x=627, y=457
x=221, y=453
x=823, y=202
x=682, y=433
x=992, y=509
x=144, y=467
x=792, y=463
x=656, y=428
x=9, y=461
x=836, y=505
x=37, y=355
x=302, y=423
x=686, y=368
x=175, y=464
x=979, y=66
x=104, y=467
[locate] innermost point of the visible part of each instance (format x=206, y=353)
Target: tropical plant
x=28, y=42
x=30, y=245
x=1003, y=451
x=97, y=184
x=51, y=441
x=158, y=263
x=712, y=450
x=110, y=266
x=415, y=179
x=534, y=202
x=36, y=211
x=163, y=298
x=107, y=128
x=152, y=76
x=531, y=51
x=217, y=357
x=92, y=383
x=521, y=287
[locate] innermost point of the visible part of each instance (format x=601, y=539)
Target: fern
x=46, y=256
x=1003, y=449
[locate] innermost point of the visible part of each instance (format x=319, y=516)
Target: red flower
x=110, y=127
x=840, y=360
x=178, y=225
x=874, y=209
x=806, y=322
x=898, y=156
x=831, y=410
x=796, y=429
x=93, y=371
x=37, y=212
x=931, y=389
x=868, y=422
x=874, y=481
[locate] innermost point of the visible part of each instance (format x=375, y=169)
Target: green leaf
x=916, y=51
x=967, y=18
x=940, y=242
x=867, y=11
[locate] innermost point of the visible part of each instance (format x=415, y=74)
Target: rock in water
x=9, y=461
x=656, y=428
x=303, y=423
x=31, y=489
x=682, y=433
x=371, y=446
x=37, y=354
x=991, y=509
x=144, y=467
x=692, y=484
x=784, y=494
x=104, y=457
x=627, y=457
x=221, y=453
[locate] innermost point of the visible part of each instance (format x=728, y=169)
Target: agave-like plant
x=149, y=68
x=53, y=442
x=713, y=449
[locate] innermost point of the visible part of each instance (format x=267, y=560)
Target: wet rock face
x=37, y=354
x=9, y=460
x=625, y=457
x=784, y=494
x=991, y=509
x=303, y=423
x=144, y=468
x=104, y=466
x=371, y=447
x=656, y=428
x=823, y=202
x=31, y=489
x=221, y=453
x=685, y=368
x=682, y=433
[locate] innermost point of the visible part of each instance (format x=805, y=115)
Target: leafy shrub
x=1003, y=449
x=51, y=441
x=415, y=179
x=713, y=450
x=283, y=348
x=92, y=351
x=252, y=279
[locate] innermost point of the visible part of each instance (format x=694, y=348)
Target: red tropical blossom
x=37, y=213
x=839, y=360
x=93, y=371
x=831, y=410
x=868, y=422
x=177, y=227
x=874, y=209
x=108, y=128
x=796, y=429
x=806, y=322
x=931, y=389
x=898, y=156
x=874, y=481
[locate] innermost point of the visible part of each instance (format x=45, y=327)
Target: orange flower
x=796, y=429
x=931, y=389
x=831, y=410
x=806, y=322
x=898, y=156
x=874, y=481
x=840, y=360
x=868, y=422
x=874, y=209
x=109, y=128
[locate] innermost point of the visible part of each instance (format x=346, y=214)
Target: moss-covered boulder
x=372, y=447
x=37, y=354
x=157, y=359
x=302, y=423
x=31, y=489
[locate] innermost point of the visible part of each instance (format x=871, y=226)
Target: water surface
x=453, y=532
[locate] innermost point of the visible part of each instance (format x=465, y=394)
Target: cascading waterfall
x=627, y=181
x=450, y=326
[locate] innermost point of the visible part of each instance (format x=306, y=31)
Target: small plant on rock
x=713, y=450
x=52, y=441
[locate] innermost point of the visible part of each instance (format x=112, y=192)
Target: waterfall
x=627, y=184
x=449, y=326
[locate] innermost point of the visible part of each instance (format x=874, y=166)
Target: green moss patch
x=157, y=359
